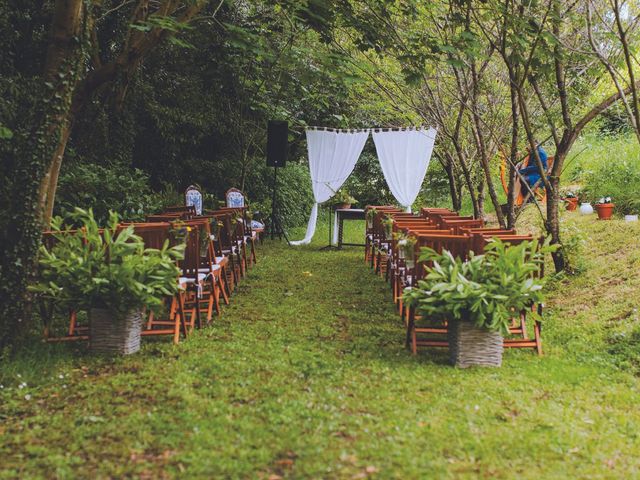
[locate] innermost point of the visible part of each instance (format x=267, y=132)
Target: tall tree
x=70, y=76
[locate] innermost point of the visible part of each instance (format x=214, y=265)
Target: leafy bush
x=294, y=194
x=118, y=188
x=618, y=178
x=106, y=269
x=485, y=290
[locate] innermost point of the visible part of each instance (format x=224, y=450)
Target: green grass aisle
x=306, y=376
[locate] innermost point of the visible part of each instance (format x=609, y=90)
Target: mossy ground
x=306, y=376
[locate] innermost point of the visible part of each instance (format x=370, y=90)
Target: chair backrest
x=480, y=240
x=458, y=245
x=153, y=234
x=191, y=261
x=234, y=198
x=165, y=217
x=193, y=197
x=456, y=223
x=188, y=209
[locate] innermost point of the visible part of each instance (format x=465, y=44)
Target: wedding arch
x=404, y=156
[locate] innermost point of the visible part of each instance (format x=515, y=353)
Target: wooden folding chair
x=375, y=234
x=520, y=337
x=459, y=246
x=155, y=235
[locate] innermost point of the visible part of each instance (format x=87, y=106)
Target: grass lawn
x=306, y=376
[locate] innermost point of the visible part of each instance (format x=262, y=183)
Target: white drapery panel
x=404, y=157
x=332, y=157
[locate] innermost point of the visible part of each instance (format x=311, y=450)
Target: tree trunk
x=137, y=45
x=553, y=223
x=482, y=147
x=453, y=186
x=513, y=154
x=38, y=138
x=54, y=171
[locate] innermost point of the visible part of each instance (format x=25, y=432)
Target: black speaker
x=277, y=143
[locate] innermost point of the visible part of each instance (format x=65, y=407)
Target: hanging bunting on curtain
x=332, y=156
x=404, y=156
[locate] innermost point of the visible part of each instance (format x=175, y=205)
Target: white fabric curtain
x=332, y=157
x=404, y=157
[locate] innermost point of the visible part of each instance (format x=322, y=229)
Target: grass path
x=305, y=376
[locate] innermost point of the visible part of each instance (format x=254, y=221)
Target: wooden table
x=348, y=214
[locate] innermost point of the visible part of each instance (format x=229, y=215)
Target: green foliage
x=342, y=196
x=618, y=178
x=109, y=188
x=109, y=269
x=5, y=133
x=487, y=290
x=294, y=195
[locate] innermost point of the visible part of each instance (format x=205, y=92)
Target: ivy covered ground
x=306, y=376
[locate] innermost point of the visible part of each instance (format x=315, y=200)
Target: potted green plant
x=111, y=274
x=342, y=199
x=478, y=298
x=605, y=207
x=387, y=224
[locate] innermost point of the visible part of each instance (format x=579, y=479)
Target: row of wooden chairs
x=220, y=247
x=441, y=230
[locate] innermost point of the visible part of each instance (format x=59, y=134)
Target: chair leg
x=253, y=251
x=537, y=336
x=222, y=280
x=216, y=294
x=177, y=316
x=73, y=318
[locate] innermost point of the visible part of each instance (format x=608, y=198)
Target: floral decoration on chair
x=235, y=198
x=193, y=197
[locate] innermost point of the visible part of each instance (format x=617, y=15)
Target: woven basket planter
x=112, y=335
x=471, y=346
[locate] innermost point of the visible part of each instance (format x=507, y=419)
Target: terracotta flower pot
x=343, y=206
x=605, y=210
x=572, y=204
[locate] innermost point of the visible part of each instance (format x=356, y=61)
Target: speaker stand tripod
x=275, y=226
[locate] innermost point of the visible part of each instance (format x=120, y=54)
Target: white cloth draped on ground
x=332, y=157
x=404, y=156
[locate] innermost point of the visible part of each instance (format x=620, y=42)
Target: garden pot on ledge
x=113, y=334
x=343, y=206
x=605, y=210
x=470, y=346
x=572, y=204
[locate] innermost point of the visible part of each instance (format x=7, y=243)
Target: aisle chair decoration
x=193, y=198
x=235, y=198
x=111, y=274
x=478, y=298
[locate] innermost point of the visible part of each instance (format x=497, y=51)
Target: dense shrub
x=294, y=194
x=103, y=188
x=618, y=178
